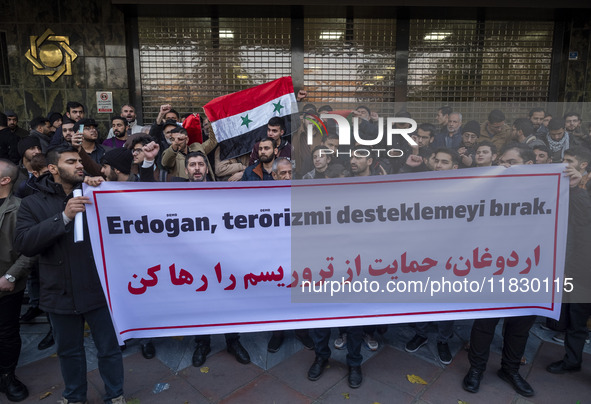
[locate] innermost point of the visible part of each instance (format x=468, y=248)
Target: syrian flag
x=239, y=120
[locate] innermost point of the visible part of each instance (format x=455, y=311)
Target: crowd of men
x=40, y=169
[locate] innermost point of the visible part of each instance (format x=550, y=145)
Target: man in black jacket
x=70, y=287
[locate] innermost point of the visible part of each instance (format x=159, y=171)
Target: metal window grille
x=478, y=65
x=349, y=60
x=187, y=62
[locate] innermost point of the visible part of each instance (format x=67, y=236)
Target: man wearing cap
x=55, y=122
x=117, y=165
x=467, y=148
x=89, y=139
x=28, y=148
x=13, y=125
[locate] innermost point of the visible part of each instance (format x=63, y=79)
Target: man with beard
x=361, y=166
x=117, y=165
x=263, y=169
x=67, y=132
x=173, y=158
x=451, y=136
x=70, y=287
x=119, y=127
x=8, y=141
x=128, y=112
x=89, y=139
x=13, y=125
x=536, y=117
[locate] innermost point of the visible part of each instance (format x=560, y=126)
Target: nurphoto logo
x=361, y=146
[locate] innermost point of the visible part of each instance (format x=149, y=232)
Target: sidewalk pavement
x=282, y=377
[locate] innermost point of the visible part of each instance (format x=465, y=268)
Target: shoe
x=371, y=343
x=148, y=350
x=444, y=353
x=355, y=377
x=415, y=343
x=200, y=354
x=236, y=349
x=14, y=389
x=472, y=380
x=118, y=400
x=559, y=338
x=123, y=347
x=341, y=341
x=306, y=341
x=317, y=368
x=560, y=367
x=30, y=314
x=47, y=341
x=275, y=342
x=517, y=382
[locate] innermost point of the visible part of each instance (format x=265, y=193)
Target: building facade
x=149, y=53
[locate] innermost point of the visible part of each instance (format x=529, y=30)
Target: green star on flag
x=278, y=107
x=245, y=120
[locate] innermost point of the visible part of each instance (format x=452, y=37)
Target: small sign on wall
x=573, y=55
x=104, y=102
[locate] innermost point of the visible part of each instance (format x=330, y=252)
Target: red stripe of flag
x=245, y=100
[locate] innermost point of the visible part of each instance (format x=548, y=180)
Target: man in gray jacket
x=14, y=269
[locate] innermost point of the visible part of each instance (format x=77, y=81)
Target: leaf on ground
x=45, y=395
x=346, y=395
x=463, y=402
x=178, y=338
x=133, y=401
x=416, y=379
x=204, y=369
x=54, y=355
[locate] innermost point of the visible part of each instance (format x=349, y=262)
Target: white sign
x=188, y=258
x=104, y=102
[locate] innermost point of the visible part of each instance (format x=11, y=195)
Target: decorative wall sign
x=51, y=55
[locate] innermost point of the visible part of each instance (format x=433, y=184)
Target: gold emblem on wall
x=51, y=55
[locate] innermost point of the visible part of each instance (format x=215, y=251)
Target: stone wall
x=96, y=33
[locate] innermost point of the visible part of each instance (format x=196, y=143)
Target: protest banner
x=188, y=258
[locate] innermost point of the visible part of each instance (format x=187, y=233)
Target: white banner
x=208, y=258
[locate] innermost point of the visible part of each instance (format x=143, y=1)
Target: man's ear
x=52, y=169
